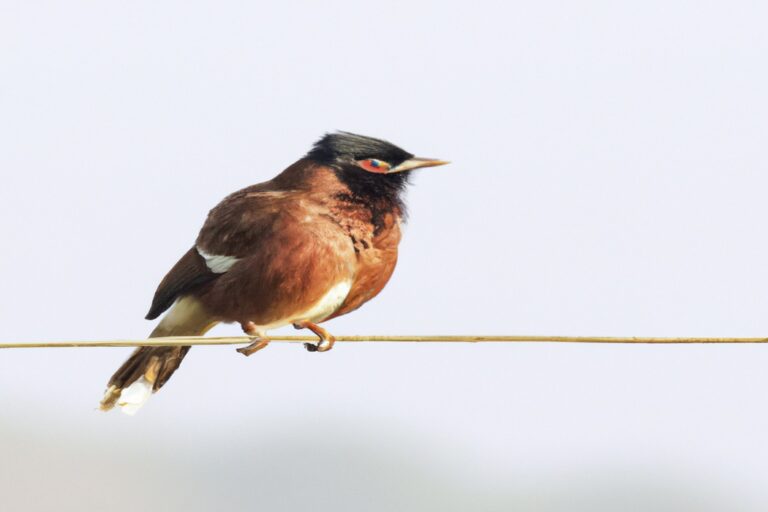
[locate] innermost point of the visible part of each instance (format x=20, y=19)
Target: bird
x=317, y=241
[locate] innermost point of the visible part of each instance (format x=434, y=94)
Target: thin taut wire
x=221, y=340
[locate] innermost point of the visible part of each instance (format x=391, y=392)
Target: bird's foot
x=326, y=339
x=258, y=344
x=258, y=339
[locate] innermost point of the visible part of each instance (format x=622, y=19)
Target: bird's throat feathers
x=379, y=193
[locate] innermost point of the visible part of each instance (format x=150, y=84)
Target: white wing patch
x=217, y=264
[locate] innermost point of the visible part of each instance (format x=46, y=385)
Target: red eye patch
x=374, y=165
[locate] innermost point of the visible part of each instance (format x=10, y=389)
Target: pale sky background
x=609, y=178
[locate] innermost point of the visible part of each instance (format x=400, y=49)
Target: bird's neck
x=350, y=188
x=383, y=191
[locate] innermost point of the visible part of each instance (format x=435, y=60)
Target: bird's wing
x=236, y=227
x=232, y=230
x=188, y=274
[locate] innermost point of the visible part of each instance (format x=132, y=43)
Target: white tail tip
x=134, y=396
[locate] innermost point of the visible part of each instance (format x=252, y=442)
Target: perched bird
x=315, y=242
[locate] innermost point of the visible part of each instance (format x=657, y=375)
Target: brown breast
x=375, y=236
x=373, y=227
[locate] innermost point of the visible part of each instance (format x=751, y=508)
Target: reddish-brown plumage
x=296, y=237
x=316, y=242
x=376, y=252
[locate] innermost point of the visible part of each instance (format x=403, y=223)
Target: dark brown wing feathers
x=187, y=275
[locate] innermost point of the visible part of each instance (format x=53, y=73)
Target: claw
x=326, y=339
x=258, y=344
x=258, y=339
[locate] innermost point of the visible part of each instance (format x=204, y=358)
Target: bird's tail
x=149, y=368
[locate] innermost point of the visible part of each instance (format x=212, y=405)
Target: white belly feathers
x=328, y=303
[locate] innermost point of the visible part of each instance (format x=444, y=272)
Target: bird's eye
x=374, y=165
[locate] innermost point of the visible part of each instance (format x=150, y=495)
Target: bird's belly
x=327, y=304
x=319, y=311
x=374, y=271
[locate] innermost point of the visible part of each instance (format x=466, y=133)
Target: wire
x=202, y=340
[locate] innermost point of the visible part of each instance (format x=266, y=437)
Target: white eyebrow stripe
x=215, y=263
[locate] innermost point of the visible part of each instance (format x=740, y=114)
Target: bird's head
x=368, y=165
x=374, y=170
x=376, y=156
x=371, y=168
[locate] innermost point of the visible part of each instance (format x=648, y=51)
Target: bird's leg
x=258, y=339
x=326, y=339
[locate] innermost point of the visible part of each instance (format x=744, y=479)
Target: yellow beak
x=417, y=163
